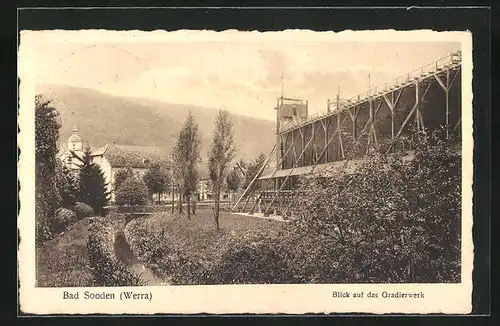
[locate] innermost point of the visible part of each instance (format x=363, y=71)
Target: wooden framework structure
x=424, y=99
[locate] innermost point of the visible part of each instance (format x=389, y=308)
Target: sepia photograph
x=214, y=161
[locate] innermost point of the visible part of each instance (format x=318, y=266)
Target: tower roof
x=74, y=137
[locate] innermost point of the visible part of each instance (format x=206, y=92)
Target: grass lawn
x=195, y=238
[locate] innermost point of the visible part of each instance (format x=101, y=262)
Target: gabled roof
x=132, y=156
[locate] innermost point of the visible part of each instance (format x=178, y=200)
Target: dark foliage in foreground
x=48, y=198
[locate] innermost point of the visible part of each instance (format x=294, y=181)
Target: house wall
x=108, y=176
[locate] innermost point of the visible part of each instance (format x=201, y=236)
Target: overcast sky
x=243, y=77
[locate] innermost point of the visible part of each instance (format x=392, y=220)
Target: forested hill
x=102, y=118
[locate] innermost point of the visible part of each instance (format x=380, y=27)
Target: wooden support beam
x=458, y=124
x=292, y=144
x=371, y=119
x=294, y=148
x=390, y=104
x=313, y=136
x=447, y=94
x=255, y=178
x=441, y=83
x=286, y=179
x=412, y=111
x=325, y=149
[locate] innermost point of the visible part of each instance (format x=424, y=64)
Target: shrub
x=106, y=268
x=83, y=210
x=63, y=219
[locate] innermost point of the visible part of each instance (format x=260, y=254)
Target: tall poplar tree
x=187, y=155
x=220, y=156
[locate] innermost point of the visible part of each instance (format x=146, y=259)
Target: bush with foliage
x=106, y=268
x=63, y=219
x=83, y=210
x=249, y=258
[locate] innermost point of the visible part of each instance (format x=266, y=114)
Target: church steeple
x=75, y=142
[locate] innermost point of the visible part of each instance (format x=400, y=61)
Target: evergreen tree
x=93, y=186
x=68, y=186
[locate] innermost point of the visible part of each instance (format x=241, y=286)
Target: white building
x=76, y=145
x=113, y=157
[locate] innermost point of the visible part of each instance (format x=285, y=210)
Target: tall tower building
x=76, y=145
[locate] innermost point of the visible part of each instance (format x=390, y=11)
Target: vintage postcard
x=286, y=172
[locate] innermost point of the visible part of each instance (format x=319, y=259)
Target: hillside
x=102, y=118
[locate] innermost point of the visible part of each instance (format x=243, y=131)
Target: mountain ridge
x=146, y=122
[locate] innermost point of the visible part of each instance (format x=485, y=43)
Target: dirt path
x=125, y=254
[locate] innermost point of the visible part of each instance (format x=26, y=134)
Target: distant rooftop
x=132, y=156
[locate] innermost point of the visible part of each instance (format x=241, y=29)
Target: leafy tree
x=252, y=168
x=233, y=181
x=132, y=192
x=220, y=156
x=122, y=175
x=157, y=180
x=93, y=186
x=47, y=196
x=187, y=156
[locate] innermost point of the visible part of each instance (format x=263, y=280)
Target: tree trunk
x=173, y=197
x=181, y=199
x=188, y=206
x=217, y=208
x=194, y=207
x=159, y=198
